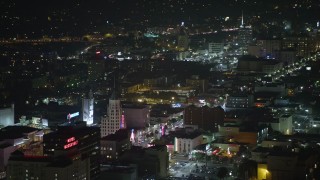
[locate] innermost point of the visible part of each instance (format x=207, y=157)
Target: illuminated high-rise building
x=244, y=36
x=183, y=39
x=7, y=116
x=87, y=109
x=114, y=120
x=75, y=137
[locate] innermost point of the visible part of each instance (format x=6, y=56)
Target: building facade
x=240, y=101
x=186, y=143
x=216, y=48
x=87, y=109
x=136, y=116
x=75, y=137
x=152, y=162
x=21, y=167
x=196, y=82
x=7, y=116
x=283, y=124
x=114, y=145
x=205, y=118
x=114, y=120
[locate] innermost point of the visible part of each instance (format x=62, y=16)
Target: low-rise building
x=240, y=101
x=114, y=145
x=22, y=167
x=196, y=82
x=282, y=124
x=26, y=139
x=205, y=118
x=243, y=135
x=185, y=143
x=119, y=172
x=151, y=162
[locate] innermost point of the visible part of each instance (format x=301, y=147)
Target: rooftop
x=133, y=106
x=115, y=137
x=13, y=132
x=188, y=135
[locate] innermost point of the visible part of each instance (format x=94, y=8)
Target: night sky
x=76, y=17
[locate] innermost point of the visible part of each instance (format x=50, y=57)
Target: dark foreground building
x=205, y=118
x=67, y=167
x=75, y=137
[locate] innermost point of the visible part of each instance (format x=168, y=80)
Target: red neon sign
x=71, y=142
x=67, y=146
x=122, y=122
x=71, y=139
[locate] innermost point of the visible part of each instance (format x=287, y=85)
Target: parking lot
x=197, y=170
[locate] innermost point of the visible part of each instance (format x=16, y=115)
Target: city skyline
x=161, y=90
x=75, y=18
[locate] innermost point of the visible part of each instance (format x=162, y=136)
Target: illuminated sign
x=177, y=105
x=162, y=130
x=202, y=101
x=122, y=122
x=69, y=116
x=207, y=147
x=132, y=136
x=70, y=143
x=71, y=139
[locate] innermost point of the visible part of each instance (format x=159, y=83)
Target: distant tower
x=242, y=24
x=244, y=36
x=87, y=109
x=114, y=120
x=183, y=39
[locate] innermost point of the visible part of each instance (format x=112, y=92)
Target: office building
x=183, y=39
x=26, y=139
x=136, y=116
x=119, y=172
x=72, y=167
x=114, y=120
x=114, y=145
x=244, y=36
x=87, y=109
x=249, y=64
x=196, y=82
x=75, y=137
x=303, y=45
x=269, y=48
x=205, y=118
x=288, y=165
x=240, y=101
x=288, y=57
x=216, y=47
x=152, y=162
x=7, y=116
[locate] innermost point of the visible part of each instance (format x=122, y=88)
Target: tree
x=222, y=172
x=199, y=155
